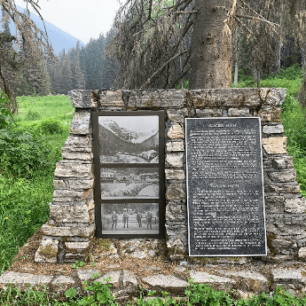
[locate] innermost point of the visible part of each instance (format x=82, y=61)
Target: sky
x=83, y=19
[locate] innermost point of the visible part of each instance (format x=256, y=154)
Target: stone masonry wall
x=71, y=225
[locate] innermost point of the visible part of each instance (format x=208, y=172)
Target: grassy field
x=24, y=199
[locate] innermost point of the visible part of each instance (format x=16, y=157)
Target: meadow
x=30, y=146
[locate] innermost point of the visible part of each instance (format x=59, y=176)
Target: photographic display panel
x=225, y=193
x=129, y=183
x=132, y=139
x=129, y=171
x=132, y=218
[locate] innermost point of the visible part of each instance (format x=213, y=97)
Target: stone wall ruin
x=71, y=227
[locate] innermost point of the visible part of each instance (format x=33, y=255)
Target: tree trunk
x=236, y=74
x=211, y=45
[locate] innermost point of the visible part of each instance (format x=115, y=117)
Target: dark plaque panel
x=225, y=187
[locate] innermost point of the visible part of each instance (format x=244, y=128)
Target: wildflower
x=6, y=218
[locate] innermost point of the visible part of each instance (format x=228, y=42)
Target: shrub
x=21, y=152
x=50, y=126
x=33, y=115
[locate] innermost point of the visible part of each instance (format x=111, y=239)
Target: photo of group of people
x=131, y=218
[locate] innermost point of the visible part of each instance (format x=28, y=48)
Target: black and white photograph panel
x=129, y=139
x=132, y=218
x=129, y=183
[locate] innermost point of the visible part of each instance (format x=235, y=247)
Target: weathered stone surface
x=62, y=283
x=60, y=195
x=77, y=246
x=68, y=153
x=112, y=99
x=79, y=141
x=85, y=275
x=139, y=248
x=282, y=177
x=235, y=112
x=201, y=113
x=273, y=129
x=248, y=280
x=275, y=145
x=274, y=204
x=175, y=212
x=273, y=96
x=72, y=170
x=280, y=163
x=177, y=115
x=175, y=191
x=175, y=160
x=24, y=280
x=180, y=269
x=286, y=224
x=287, y=275
x=173, y=174
x=114, y=278
x=129, y=281
x=175, y=146
x=47, y=251
x=295, y=206
x=157, y=98
x=175, y=131
x=81, y=123
x=73, y=184
x=166, y=282
x=225, y=97
x=302, y=253
x=82, y=98
x=271, y=115
x=293, y=187
x=216, y=281
x=68, y=231
x=112, y=252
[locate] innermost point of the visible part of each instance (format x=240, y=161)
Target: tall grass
x=24, y=198
x=293, y=116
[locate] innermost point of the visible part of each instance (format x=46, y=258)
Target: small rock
x=114, y=278
x=62, y=283
x=180, y=269
x=216, y=281
x=166, y=282
x=47, y=251
x=24, y=280
x=129, y=281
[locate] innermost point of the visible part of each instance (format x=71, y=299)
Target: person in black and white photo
x=125, y=219
x=138, y=217
x=114, y=220
x=149, y=217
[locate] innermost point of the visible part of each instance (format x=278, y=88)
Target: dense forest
x=86, y=67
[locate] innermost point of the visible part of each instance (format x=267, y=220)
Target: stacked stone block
x=71, y=225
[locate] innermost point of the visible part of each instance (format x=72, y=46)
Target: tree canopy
x=160, y=42
x=28, y=39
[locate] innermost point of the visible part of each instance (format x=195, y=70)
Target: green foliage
x=293, y=116
x=27, y=159
x=50, y=126
x=33, y=115
x=6, y=117
x=78, y=264
x=205, y=295
x=22, y=152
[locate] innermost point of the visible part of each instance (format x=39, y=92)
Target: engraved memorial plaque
x=225, y=194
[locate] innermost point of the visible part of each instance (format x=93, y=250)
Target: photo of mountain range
x=129, y=139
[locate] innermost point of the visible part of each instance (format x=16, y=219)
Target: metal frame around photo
x=98, y=166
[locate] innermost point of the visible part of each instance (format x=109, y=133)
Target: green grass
x=24, y=201
x=293, y=116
